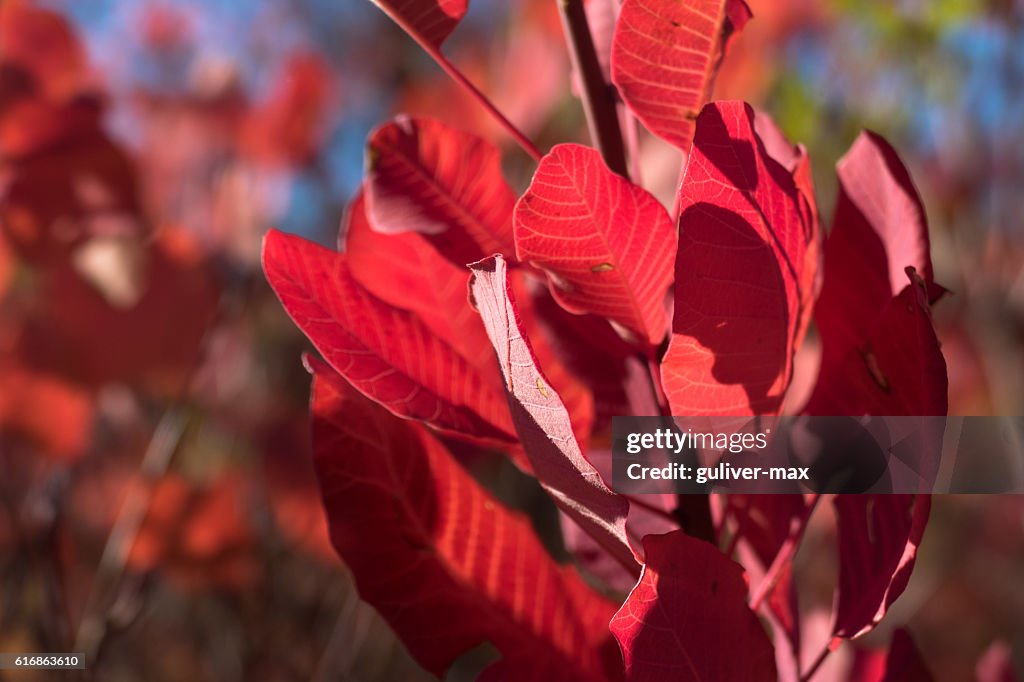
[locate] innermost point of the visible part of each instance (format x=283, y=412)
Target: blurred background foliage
x=159, y=509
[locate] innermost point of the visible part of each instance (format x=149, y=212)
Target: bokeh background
x=158, y=506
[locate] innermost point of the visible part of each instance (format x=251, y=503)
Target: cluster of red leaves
x=104, y=298
x=732, y=282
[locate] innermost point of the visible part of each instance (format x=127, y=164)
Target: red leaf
x=898, y=369
x=387, y=353
x=153, y=342
x=403, y=269
x=425, y=177
x=764, y=520
x=288, y=128
x=407, y=272
x=688, y=620
x=60, y=198
x=665, y=56
x=43, y=43
x=542, y=421
x=879, y=230
x=796, y=160
x=32, y=404
x=741, y=272
x=606, y=242
x=447, y=565
x=428, y=20
x=199, y=536
x=878, y=540
x=905, y=663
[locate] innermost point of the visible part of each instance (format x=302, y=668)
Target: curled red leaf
x=543, y=423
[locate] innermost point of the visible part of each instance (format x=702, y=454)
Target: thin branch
x=598, y=96
x=650, y=369
x=783, y=556
x=460, y=78
x=829, y=647
x=164, y=442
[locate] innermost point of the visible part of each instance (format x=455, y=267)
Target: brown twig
x=597, y=94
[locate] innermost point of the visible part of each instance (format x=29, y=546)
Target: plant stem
x=162, y=445
x=783, y=556
x=460, y=78
x=597, y=95
x=819, y=659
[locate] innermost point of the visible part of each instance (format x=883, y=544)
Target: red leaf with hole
x=428, y=20
x=387, y=353
x=447, y=565
x=665, y=56
x=878, y=540
x=425, y=177
x=541, y=420
x=605, y=242
x=878, y=231
x=741, y=272
x=688, y=620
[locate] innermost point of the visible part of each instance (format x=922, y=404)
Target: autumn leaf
x=428, y=20
x=665, y=56
x=605, y=242
x=387, y=353
x=542, y=422
x=405, y=270
x=687, y=619
x=878, y=231
x=741, y=272
x=878, y=540
x=425, y=177
x=447, y=565
x=905, y=662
